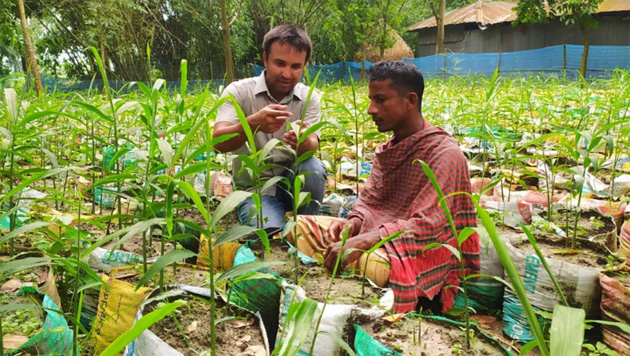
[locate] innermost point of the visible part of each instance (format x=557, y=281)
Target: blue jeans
x=275, y=207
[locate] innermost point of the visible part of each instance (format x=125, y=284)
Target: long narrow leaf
x=512, y=273
x=23, y=229
x=167, y=259
x=234, y=233
x=191, y=193
x=244, y=268
x=567, y=331
x=228, y=204
x=543, y=260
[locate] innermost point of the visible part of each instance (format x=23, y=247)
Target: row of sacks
x=600, y=286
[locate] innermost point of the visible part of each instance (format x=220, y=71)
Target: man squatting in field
x=398, y=196
x=269, y=101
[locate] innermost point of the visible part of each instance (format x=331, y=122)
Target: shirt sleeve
x=227, y=112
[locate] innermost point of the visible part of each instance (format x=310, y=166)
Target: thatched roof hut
x=398, y=51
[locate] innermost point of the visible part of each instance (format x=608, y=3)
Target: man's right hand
x=269, y=119
x=337, y=227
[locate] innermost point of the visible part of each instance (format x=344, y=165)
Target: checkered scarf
x=398, y=196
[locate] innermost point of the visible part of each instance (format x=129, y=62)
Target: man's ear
x=265, y=58
x=413, y=99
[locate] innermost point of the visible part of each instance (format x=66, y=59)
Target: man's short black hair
x=291, y=35
x=405, y=77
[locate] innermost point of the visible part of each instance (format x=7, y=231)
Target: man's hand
x=337, y=227
x=290, y=138
x=270, y=118
x=358, y=244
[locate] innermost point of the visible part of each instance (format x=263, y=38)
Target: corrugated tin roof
x=614, y=6
x=481, y=12
x=489, y=13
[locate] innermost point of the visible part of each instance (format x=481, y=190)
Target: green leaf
x=385, y=240
x=567, y=331
x=195, y=168
x=94, y=110
x=121, y=152
x=183, y=69
x=27, y=182
x=243, y=121
x=311, y=130
x=167, y=152
x=191, y=193
x=264, y=239
x=10, y=96
x=227, y=205
x=10, y=267
x=543, y=260
x=114, y=178
x=270, y=145
x=139, y=326
x=271, y=182
x=513, y=275
x=453, y=250
x=37, y=115
x=623, y=326
x=528, y=347
x=464, y=234
x=165, y=260
x=193, y=131
x=344, y=345
x=234, y=233
x=128, y=232
x=23, y=229
x=456, y=311
x=299, y=320
x=245, y=268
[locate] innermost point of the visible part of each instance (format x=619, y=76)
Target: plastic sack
x=366, y=345
x=349, y=168
x=105, y=260
x=615, y=306
x=55, y=337
x=220, y=184
x=580, y=285
x=514, y=213
x=117, y=308
x=258, y=295
x=222, y=256
x=149, y=344
x=485, y=294
x=333, y=321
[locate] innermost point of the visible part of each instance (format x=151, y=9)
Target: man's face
x=389, y=110
x=284, y=65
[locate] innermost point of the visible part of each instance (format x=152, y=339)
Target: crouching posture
x=398, y=196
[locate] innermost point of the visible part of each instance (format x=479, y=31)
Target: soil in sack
x=615, y=306
x=592, y=225
x=181, y=273
x=346, y=288
x=435, y=336
x=188, y=329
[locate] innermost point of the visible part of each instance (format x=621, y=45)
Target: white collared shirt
x=252, y=95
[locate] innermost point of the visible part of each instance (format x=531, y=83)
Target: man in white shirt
x=269, y=102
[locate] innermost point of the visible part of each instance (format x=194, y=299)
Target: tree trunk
x=439, y=20
x=584, y=29
x=381, y=54
x=227, y=46
x=30, y=49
